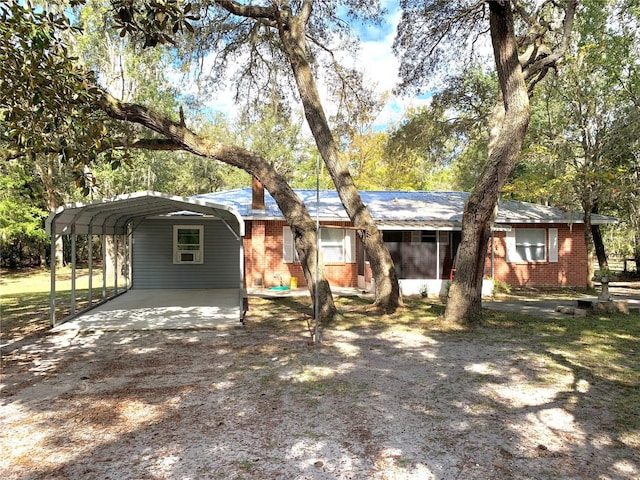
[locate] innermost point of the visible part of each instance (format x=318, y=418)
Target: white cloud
x=381, y=69
x=375, y=59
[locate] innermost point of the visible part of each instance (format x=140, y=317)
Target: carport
x=119, y=219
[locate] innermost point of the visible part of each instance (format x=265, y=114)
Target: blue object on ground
x=281, y=287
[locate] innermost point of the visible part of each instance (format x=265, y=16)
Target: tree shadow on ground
x=379, y=398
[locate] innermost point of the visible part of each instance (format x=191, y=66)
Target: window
x=337, y=245
x=332, y=244
x=188, y=244
x=530, y=245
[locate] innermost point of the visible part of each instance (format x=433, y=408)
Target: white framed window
x=188, y=244
x=332, y=244
x=529, y=245
x=336, y=244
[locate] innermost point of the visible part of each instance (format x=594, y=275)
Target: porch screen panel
x=361, y=258
x=420, y=260
x=445, y=249
x=393, y=240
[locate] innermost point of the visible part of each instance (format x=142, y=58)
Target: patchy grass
x=24, y=302
x=596, y=348
x=518, y=396
x=355, y=313
x=599, y=350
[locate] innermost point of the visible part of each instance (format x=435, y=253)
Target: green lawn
x=598, y=350
x=24, y=298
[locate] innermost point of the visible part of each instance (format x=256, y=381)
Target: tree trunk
x=387, y=292
x=52, y=201
x=465, y=294
x=598, y=242
x=114, y=258
x=587, y=206
x=636, y=250
x=179, y=137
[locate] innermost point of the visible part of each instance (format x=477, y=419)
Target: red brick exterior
x=569, y=270
x=264, y=264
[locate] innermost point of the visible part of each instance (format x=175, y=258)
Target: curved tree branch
x=248, y=11
x=532, y=71
x=179, y=137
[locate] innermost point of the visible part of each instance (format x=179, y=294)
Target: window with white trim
x=336, y=244
x=332, y=244
x=188, y=244
x=529, y=245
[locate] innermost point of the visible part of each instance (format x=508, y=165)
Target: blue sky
x=377, y=61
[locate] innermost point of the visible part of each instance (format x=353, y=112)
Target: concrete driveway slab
x=177, y=309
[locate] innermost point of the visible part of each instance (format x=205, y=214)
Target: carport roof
x=111, y=216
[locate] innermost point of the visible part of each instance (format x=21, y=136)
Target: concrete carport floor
x=176, y=309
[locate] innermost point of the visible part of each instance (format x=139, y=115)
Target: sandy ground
x=262, y=403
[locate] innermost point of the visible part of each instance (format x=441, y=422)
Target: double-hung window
x=336, y=244
x=332, y=244
x=529, y=245
x=188, y=244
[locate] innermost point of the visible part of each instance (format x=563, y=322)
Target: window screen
x=332, y=244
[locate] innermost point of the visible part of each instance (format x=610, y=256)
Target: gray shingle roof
x=398, y=209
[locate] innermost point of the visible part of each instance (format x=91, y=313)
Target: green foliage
x=500, y=287
x=274, y=132
x=419, y=148
x=45, y=96
x=444, y=145
x=431, y=36
x=22, y=237
x=583, y=148
x=155, y=22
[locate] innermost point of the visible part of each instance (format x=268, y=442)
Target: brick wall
x=264, y=263
x=569, y=270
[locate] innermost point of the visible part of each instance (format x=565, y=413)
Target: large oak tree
x=437, y=30
x=264, y=36
x=260, y=39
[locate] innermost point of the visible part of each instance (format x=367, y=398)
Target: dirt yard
x=399, y=401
